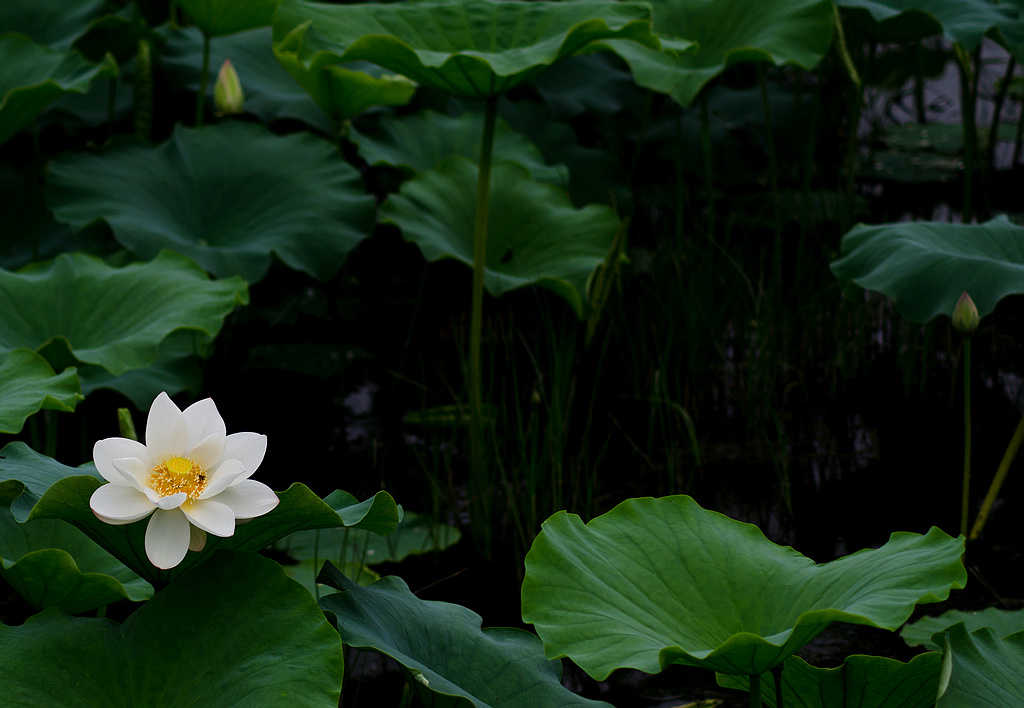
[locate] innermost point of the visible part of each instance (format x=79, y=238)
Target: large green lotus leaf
x=1004, y=622
x=475, y=48
x=299, y=509
x=963, y=21
x=270, y=92
x=980, y=669
x=418, y=533
x=175, y=369
x=55, y=23
x=25, y=475
x=221, y=17
x=50, y=563
x=35, y=76
x=534, y=234
x=662, y=581
x=861, y=682
x=235, y=632
x=925, y=266
x=28, y=384
x=727, y=33
x=444, y=649
x=113, y=317
x=341, y=91
x=226, y=195
x=420, y=142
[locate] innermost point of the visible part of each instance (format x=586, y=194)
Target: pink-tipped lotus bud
x=965, y=314
x=228, y=96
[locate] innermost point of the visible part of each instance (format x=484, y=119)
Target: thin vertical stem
x=855, y=110
x=997, y=114
x=709, y=181
x=964, y=502
x=774, y=166
x=755, y=691
x=777, y=674
x=997, y=481
x=203, y=76
x=968, y=100
x=477, y=454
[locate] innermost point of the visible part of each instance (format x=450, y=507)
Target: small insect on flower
x=190, y=475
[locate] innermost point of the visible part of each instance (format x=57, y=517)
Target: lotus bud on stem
x=965, y=320
x=228, y=97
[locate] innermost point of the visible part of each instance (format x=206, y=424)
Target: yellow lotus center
x=178, y=474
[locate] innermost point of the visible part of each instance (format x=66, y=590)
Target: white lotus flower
x=190, y=475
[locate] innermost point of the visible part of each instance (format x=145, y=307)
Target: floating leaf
x=50, y=563
x=416, y=534
x=980, y=669
x=113, y=317
x=534, y=234
x=924, y=267
x=25, y=475
x=35, y=76
x=220, y=17
x=226, y=195
x=727, y=33
x=861, y=682
x=662, y=581
x=270, y=91
x=422, y=141
x=500, y=44
x=298, y=509
x=28, y=384
x=1004, y=622
x=446, y=653
x=234, y=632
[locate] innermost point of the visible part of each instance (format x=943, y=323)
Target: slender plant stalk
x=919, y=109
x=997, y=114
x=964, y=503
x=203, y=76
x=997, y=482
x=755, y=691
x=968, y=99
x=709, y=175
x=477, y=453
x=777, y=673
x=774, y=163
x=1018, y=140
x=855, y=110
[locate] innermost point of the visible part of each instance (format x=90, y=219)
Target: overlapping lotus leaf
x=979, y=668
x=235, y=632
x=25, y=475
x=963, y=21
x=52, y=564
x=861, y=682
x=217, y=18
x=228, y=196
x=1004, y=622
x=54, y=23
x=662, y=581
x=534, y=235
x=447, y=656
x=474, y=49
x=727, y=33
x=421, y=141
x=29, y=384
x=270, y=92
x=925, y=266
x=299, y=509
x=113, y=317
x=35, y=76
x=342, y=91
